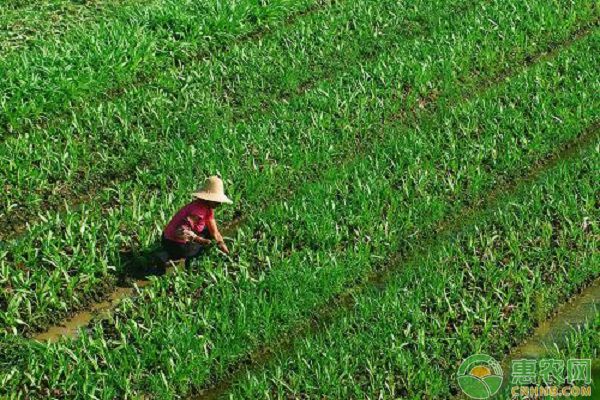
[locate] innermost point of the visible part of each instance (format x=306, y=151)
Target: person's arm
x=186, y=233
x=214, y=232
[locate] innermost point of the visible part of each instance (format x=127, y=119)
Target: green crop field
x=414, y=182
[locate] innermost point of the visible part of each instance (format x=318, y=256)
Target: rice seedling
x=29, y=178
x=84, y=163
x=28, y=25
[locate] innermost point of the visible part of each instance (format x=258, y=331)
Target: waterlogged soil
x=555, y=330
x=71, y=326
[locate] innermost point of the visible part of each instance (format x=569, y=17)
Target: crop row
x=68, y=251
x=24, y=26
x=119, y=136
x=9, y=6
x=63, y=259
x=168, y=162
x=481, y=292
x=90, y=60
x=295, y=255
x=181, y=109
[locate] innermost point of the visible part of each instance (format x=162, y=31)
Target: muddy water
x=71, y=327
x=555, y=331
x=570, y=315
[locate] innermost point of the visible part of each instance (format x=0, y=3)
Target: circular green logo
x=480, y=376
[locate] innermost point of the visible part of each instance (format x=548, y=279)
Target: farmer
x=190, y=230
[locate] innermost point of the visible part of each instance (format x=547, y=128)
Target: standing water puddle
x=581, y=308
x=555, y=331
x=70, y=327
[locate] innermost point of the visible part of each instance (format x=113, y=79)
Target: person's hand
x=202, y=241
x=223, y=247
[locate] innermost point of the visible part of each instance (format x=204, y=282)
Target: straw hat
x=212, y=191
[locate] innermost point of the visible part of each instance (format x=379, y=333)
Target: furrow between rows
x=131, y=54
x=337, y=306
x=308, y=172
x=95, y=166
x=292, y=257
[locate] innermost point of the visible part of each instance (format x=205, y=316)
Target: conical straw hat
x=212, y=191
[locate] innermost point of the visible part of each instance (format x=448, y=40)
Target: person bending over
x=190, y=229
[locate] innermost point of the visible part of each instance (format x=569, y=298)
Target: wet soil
x=323, y=316
x=71, y=326
x=136, y=277
x=576, y=312
x=554, y=331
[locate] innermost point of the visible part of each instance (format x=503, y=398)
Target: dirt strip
x=80, y=319
x=70, y=327
x=448, y=229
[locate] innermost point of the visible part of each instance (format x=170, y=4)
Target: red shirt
x=192, y=217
